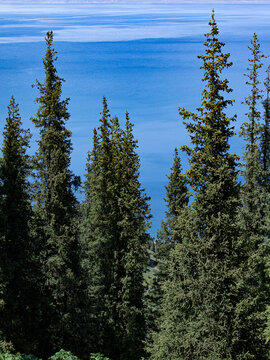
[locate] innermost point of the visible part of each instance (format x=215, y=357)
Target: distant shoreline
x=223, y=2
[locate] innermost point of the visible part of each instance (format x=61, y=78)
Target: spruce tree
x=265, y=157
x=133, y=224
x=177, y=197
x=97, y=232
x=2, y=285
x=265, y=135
x=91, y=268
x=56, y=212
x=201, y=292
x=115, y=240
x=18, y=317
x=252, y=218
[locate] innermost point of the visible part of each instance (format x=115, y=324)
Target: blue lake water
x=143, y=58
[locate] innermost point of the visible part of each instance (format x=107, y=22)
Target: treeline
x=72, y=275
x=60, y=355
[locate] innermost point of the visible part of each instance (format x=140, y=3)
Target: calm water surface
x=143, y=58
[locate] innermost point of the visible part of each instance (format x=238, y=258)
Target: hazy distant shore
x=136, y=1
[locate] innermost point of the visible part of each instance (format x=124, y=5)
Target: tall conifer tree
x=201, y=292
x=133, y=224
x=97, y=232
x=56, y=213
x=18, y=317
x=253, y=218
x=2, y=285
x=177, y=197
x=265, y=136
x=116, y=239
x=265, y=157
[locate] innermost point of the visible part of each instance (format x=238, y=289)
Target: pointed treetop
x=265, y=133
x=13, y=127
x=12, y=109
x=49, y=41
x=250, y=130
x=128, y=123
x=176, y=190
x=105, y=112
x=210, y=129
x=105, y=119
x=214, y=61
x=50, y=57
x=53, y=110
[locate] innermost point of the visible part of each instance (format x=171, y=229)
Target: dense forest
x=82, y=280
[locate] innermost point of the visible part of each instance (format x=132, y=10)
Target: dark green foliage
x=2, y=287
x=252, y=219
x=177, y=198
x=60, y=355
x=265, y=154
x=200, y=294
x=176, y=191
x=5, y=346
x=63, y=355
x=250, y=129
x=97, y=234
x=18, y=262
x=134, y=215
x=82, y=286
x=265, y=135
x=98, y=356
x=115, y=239
x=56, y=215
x=17, y=356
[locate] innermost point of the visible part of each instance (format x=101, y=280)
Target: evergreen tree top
x=176, y=190
x=130, y=145
x=129, y=127
x=105, y=119
x=52, y=110
x=210, y=129
x=105, y=130
x=265, y=133
x=16, y=140
x=250, y=130
x=15, y=165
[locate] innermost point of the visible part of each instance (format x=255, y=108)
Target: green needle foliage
x=265, y=136
x=177, y=197
x=201, y=294
x=250, y=130
x=265, y=155
x=56, y=211
x=97, y=234
x=115, y=239
x=74, y=277
x=132, y=244
x=18, y=263
x=252, y=219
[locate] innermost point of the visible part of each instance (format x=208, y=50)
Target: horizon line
x=217, y=2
